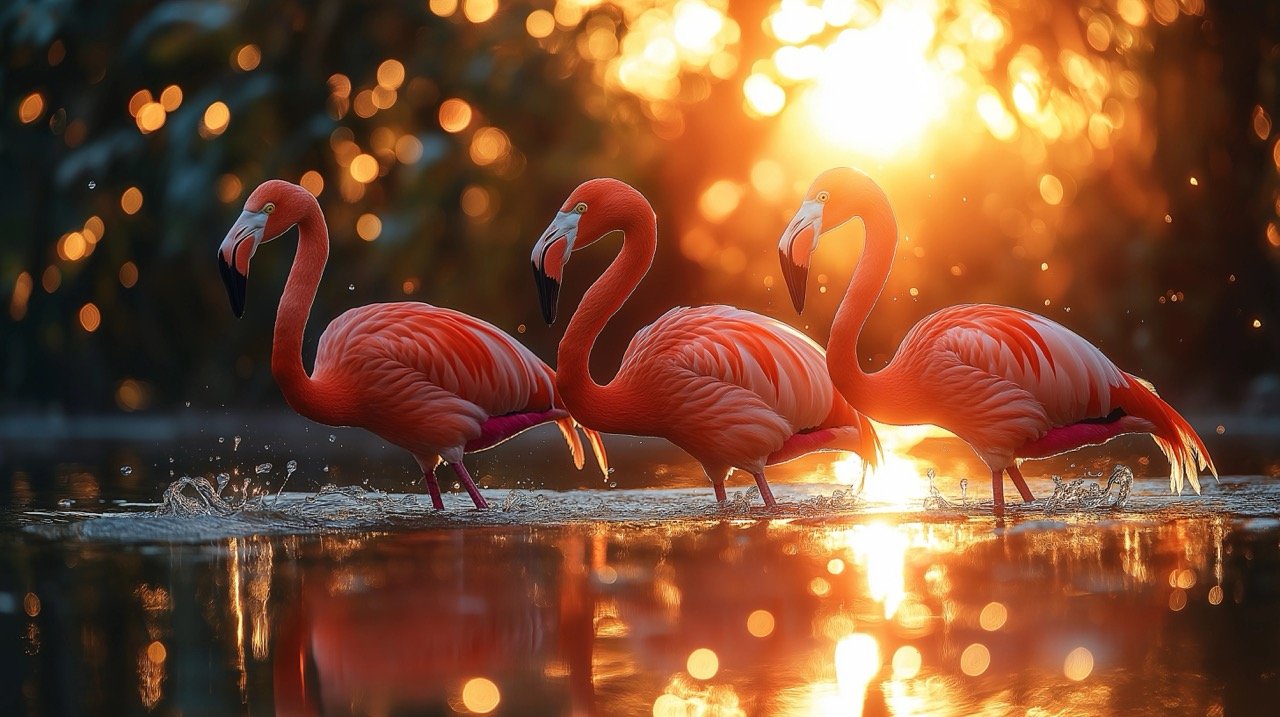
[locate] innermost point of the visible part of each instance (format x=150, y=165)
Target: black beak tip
x=795, y=276
x=236, y=284
x=548, y=295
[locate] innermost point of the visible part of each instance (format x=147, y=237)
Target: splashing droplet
x=289, y=468
x=235, y=446
x=351, y=287
x=326, y=469
x=222, y=439
x=188, y=404
x=126, y=470
x=262, y=468
x=93, y=184
x=223, y=479
x=66, y=503
x=332, y=438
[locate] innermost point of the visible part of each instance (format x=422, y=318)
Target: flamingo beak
x=795, y=249
x=550, y=254
x=234, y=255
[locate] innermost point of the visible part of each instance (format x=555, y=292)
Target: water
x=213, y=594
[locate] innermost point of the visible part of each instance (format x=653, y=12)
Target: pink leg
x=1021, y=483
x=765, y=492
x=470, y=485
x=720, y=494
x=434, y=488
x=997, y=492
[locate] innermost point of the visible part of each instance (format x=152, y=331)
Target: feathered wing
x=772, y=376
x=461, y=371
x=1043, y=376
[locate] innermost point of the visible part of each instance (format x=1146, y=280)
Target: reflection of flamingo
x=1012, y=384
x=732, y=388
x=433, y=381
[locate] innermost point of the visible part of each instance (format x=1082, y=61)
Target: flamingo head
x=592, y=210
x=826, y=206
x=271, y=210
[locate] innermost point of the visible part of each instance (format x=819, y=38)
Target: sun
x=878, y=90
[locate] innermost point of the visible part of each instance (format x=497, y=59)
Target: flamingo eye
x=823, y=196
x=580, y=208
x=270, y=207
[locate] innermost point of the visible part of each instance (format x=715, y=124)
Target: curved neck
x=869, y=278
x=603, y=408
x=291, y=318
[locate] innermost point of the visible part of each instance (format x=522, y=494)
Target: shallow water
x=647, y=601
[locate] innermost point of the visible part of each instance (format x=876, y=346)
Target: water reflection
x=788, y=617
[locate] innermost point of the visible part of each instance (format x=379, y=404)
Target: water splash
x=1086, y=494
x=126, y=470
x=262, y=469
x=191, y=497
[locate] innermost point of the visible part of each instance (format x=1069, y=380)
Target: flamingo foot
x=470, y=485
x=721, y=496
x=433, y=487
x=997, y=492
x=765, y=492
x=1021, y=483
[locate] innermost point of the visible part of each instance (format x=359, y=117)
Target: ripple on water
x=200, y=508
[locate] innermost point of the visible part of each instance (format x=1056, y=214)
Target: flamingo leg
x=1021, y=483
x=997, y=492
x=433, y=487
x=721, y=496
x=469, y=484
x=765, y=492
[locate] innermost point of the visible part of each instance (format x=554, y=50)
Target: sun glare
x=898, y=480
x=876, y=90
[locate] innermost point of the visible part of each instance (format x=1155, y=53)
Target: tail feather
x=568, y=429
x=1176, y=438
x=597, y=447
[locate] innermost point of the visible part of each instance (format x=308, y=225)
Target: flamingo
x=732, y=388
x=1012, y=384
x=434, y=381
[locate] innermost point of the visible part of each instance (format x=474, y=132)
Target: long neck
x=604, y=408
x=868, y=281
x=291, y=318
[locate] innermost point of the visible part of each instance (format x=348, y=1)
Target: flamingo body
x=735, y=389
x=732, y=388
x=1012, y=384
x=434, y=381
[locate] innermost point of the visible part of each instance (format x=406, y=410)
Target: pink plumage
x=434, y=381
x=1012, y=384
x=732, y=388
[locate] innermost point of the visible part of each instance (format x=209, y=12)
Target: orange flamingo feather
x=434, y=381
x=732, y=388
x=1012, y=384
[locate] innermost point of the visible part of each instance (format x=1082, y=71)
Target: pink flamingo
x=732, y=388
x=1010, y=383
x=433, y=381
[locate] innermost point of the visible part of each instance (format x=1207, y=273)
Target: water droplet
x=66, y=503
x=332, y=438
x=93, y=184
x=326, y=469
x=351, y=287
x=289, y=468
x=262, y=468
x=170, y=459
x=266, y=446
x=613, y=484
x=126, y=470
x=222, y=439
x=236, y=444
x=188, y=404
x=222, y=479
